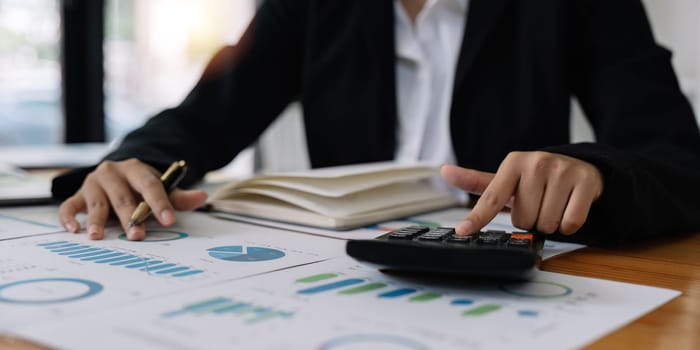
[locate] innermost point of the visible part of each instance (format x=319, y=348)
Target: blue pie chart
x=241, y=253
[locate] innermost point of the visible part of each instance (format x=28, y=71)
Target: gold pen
x=170, y=178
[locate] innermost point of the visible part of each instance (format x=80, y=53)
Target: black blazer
x=520, y=63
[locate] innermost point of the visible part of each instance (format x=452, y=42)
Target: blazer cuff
x=68, y=183
x=605, y=225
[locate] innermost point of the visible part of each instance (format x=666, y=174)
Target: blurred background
x=153, y=52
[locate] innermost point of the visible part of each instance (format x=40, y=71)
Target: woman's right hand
x=118, y=187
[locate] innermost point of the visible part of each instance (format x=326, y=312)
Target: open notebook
x=18, y=187
x=342, y=197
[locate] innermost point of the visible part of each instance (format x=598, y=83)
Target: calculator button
x=519, y=243
x=492, y=237
x=413, y=229
x=436, y=234
x=408, y=232
x=520, y=240
x=395, y=235
x=522, y=235
x=442, y=230
x=488, y=241
x=453, y=238
x=430, y=238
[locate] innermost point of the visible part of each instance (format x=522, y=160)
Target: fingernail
x=465, y=227
x=135, y=233
x=93, y=231
x=167, y=217
x=71, y=227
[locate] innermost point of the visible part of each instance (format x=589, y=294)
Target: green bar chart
x=331, y=283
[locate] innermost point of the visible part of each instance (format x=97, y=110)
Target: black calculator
x=421, y=249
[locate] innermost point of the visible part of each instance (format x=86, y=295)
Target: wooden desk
x=674, y=263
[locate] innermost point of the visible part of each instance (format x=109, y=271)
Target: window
x=30, y=72
x=156, y=50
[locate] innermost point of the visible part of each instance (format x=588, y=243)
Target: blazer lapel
x=482, y=16
x=379, y=26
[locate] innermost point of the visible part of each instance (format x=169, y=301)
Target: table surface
x=672, y=263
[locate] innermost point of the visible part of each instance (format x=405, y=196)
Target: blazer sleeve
x=224, y=114
x=648, y=143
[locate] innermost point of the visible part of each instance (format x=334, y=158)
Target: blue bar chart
x=397, y=293
x=112, y=257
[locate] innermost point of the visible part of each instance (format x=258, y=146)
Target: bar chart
x=122, y=259
x=249, y=312
x=359, y=286
x=339, y=285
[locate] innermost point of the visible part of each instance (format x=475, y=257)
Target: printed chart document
x=12, y=226
x=65, y=274
x=339, y=304
x=41, y=215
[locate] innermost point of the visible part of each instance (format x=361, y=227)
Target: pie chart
x=241, y=253
x=44, y=291
x=537, y=289
x=374, y=341
x=158, y=236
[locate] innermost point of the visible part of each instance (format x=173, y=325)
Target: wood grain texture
x=671, y=263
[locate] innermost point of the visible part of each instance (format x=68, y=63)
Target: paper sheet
x=448, y=218
x=64, y=274
x=45, y=219
x=339, y=304
x=12, y=226
x=43, y=215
